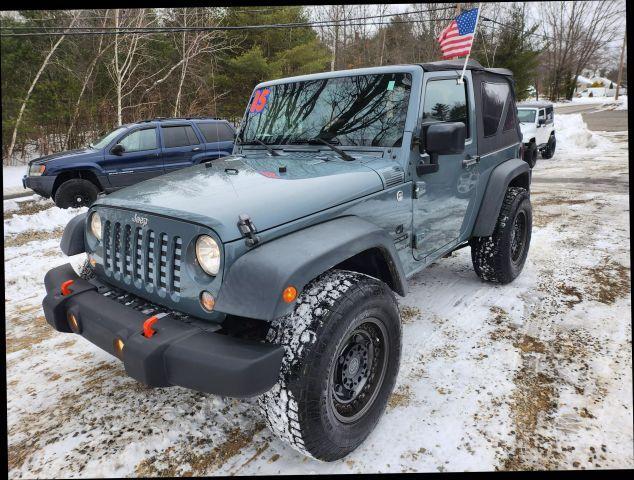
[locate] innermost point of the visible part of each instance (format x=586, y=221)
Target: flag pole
x=475, y=27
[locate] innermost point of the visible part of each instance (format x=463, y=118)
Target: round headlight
x=208, y=254
x=95, y=225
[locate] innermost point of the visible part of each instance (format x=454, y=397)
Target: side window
x=179, y=136
x=216, y=132
x=140, y=140
x=494, y=95
x=446, y=101
x=509, y=121
x=550, y=118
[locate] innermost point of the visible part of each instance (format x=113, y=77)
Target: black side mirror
x=541, y=121
x=444, y=138
x=118, y=149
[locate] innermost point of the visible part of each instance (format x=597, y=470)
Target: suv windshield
x=101, y=143
x=364, y=110
x=526, y=115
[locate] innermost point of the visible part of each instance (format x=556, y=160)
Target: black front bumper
x=42, y=185
x=179, y=353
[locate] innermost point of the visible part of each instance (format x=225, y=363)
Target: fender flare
x=499, y=180
x=252, y=287
x=72, y=241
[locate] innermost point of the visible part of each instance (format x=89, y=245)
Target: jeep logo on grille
x=140, y=220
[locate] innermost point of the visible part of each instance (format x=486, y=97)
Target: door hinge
x=419, y=189
x=417, y=241
x=248, y=230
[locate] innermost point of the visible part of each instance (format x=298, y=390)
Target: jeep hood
x=216, y=193
x=528, y=131
x=61, y=156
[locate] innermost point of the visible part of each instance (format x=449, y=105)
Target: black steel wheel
x=358, y=370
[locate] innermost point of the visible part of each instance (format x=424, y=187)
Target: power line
x=150, y=31
x=165, y=29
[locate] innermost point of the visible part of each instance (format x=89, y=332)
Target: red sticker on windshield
x=259, y=100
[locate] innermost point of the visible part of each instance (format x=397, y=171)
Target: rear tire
x=549, y=149
x=501, y=257
x=76, y=192
x=342, y=348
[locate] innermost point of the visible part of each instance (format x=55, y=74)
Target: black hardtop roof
x=459, y=65
x=534, y=104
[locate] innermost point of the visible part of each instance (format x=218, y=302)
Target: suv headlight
x=36, y=170
x=208, y=254
x=95, y=225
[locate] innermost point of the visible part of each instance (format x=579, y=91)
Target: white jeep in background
x=538, y=130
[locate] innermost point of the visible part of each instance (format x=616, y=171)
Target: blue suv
x=128, y=155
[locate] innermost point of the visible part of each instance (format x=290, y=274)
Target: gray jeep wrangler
x=273, y=272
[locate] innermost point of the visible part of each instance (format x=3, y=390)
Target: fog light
x=289, y=294
x=207, y=300
x=73, y=322
x=118, y=347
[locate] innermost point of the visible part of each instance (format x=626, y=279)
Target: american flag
x=457, y=37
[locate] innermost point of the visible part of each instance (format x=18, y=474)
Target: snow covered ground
x=12, y=179
x=608, y=102
x=532, y=375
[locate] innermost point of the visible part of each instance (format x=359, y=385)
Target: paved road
x=607, y=120
x=598, y=116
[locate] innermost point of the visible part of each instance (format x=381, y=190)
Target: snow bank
x=573, y=135
x=46, y=220
x=12, y=179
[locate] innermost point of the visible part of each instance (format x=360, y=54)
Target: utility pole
x=618, y=81
x=458, y=9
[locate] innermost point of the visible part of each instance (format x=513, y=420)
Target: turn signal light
x=118, y=347
x=207, y=301
x=73, y=322
x=289, y=294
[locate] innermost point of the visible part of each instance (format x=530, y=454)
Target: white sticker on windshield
x=390, y=85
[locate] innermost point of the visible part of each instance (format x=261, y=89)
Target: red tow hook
x=65, y=285
x=148, y=331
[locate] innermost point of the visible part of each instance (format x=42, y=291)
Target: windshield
x=364, y=110
x=526, y=115
x=107, y=139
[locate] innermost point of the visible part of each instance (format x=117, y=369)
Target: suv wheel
x=530, y=155
x=501, y=257
x=342, y=351
x=549, y=150
x=76, y=192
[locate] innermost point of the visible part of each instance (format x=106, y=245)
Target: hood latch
x=248, y=230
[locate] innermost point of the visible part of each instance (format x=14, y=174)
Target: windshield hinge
x=248, y=230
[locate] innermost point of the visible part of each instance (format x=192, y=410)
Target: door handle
x=470, y=161
x=195, y=149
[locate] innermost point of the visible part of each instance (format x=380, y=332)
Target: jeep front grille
x=145, y=256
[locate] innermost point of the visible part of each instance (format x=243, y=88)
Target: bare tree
x=45, y=62
x=579, y=31
x=101, y=48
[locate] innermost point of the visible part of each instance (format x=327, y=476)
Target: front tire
x=76, y=192
x=501, y=257
x=530, y=155
x=549, y=150
x=342, y=348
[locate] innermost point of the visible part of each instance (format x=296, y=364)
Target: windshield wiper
x=341, y=153
x=260, y=142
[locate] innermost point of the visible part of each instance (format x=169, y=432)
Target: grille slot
x=149, y=257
